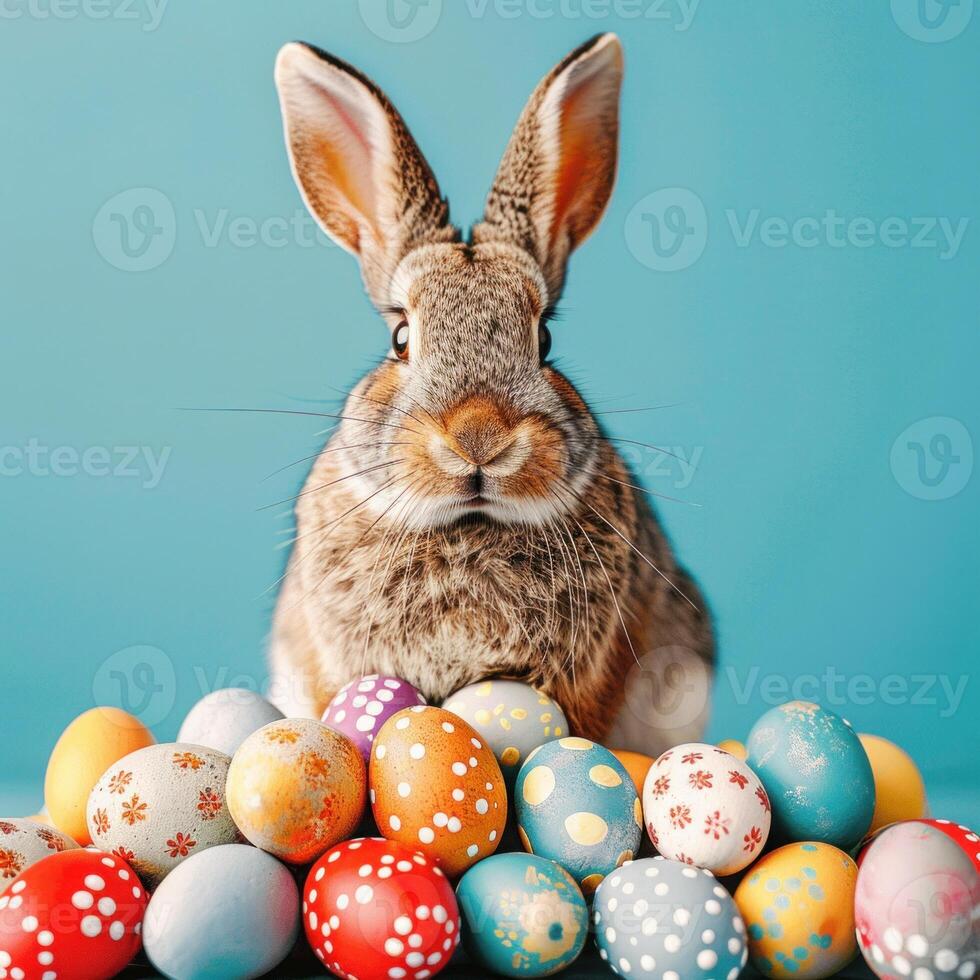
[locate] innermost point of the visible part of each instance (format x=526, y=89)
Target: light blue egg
x=663, y=919
x=228, y=913
x=816, y=773
x=523, y=915
x=577, y=805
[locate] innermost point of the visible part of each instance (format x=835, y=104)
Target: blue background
x=791, y=370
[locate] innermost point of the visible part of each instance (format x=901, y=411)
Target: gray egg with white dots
x=513, y=718
x=663, y=919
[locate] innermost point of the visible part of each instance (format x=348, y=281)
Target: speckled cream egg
x=223, y=719
x=917, y=905
x=523, y=915
x=158, y=805
x=25, y=842
x=705, y=807
x=296, y=788
x=436, y=785
x=361, y=707
x=512, y=717
x=798, y=907
x=816, y=773
x=663, y=920
x=576, y=804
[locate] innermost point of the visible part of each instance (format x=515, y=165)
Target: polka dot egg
x=798, y=905
x=523, y=915
x=704, y=806
x=436, y=786
x=512, y=717
x=377, y=908
x=916, y=904
x=666, y=920
x=364, y=705
x=576, y=804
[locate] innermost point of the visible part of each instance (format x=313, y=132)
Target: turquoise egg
x=576, y=804
x=663, y=920
x=522, y=915
x=816, y=773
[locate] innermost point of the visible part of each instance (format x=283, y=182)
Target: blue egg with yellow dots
x=522, y=915
x=816, y=772
x=576, y=804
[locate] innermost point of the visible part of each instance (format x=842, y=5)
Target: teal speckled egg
x=513, y=718
x=576, y=804
x=816, y=773
x=523, y=915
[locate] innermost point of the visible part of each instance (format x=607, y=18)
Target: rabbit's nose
x=477, y=436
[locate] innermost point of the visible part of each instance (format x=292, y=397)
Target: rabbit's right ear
x=360, y=172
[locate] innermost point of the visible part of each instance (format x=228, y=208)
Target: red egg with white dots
x=379, y=908
x=76, y=915
x=968, y=839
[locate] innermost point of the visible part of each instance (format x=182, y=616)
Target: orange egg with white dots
x=436, y=785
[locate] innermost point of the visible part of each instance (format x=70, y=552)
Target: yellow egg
x=295, y=788
x=734, y=747
x=92, y=743
x=636, y=764
x=900, y=793
x=798, y=907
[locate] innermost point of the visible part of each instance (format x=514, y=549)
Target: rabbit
x=469, y=518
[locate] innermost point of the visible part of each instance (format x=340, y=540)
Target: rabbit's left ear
x=360, y=172
x=557, y=173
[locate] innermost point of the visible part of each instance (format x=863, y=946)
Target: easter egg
x=576, y=804
x=967, y=839
x=661, y=919
x=295, y=788
x=798, y=906
x=900, y=793
x=25, y=842
x=734, y=747
x=816, y=773
x=637, y=765
x=917, y=905
x=512, y=718
x=223, y=719
x=378, y=908
x=87, y=747
x=228, y=913
x=77, y=914
x=705, y=807
x=156, y=806
x=523, y=915
x=436, y=786
x=361, y=707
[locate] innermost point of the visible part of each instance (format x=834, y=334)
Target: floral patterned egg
x=917, y=904
x=436, y=786
x=577, y=805
x=512, y=717
x=296, y=788
x=816, y=772
x=364, y=705
x=158, y=805
x=25, y=842
x=703, y=806
x=798, y=905
x=662, y=920
x=523, y=915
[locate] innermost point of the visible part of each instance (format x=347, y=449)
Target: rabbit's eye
x=544, y=342
x=399, y=341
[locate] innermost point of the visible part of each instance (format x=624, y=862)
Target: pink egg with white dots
x=364, y=705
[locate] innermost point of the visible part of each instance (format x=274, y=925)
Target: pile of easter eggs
x=393, y=835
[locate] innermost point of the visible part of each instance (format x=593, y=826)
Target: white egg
x=223, y=719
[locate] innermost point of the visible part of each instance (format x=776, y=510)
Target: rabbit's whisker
x=630, y=411
x=634, y=486
x=317, y=415
x=332, y=449
x=377, y=401
x=331, y=483
x=645, y=445
x=585, y=591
